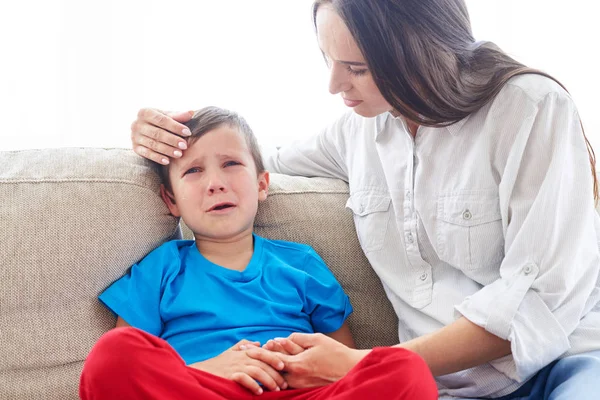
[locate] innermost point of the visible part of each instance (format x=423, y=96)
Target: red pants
x=128, y=363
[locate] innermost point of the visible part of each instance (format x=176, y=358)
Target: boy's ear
x=263, y=185
x=169, y=200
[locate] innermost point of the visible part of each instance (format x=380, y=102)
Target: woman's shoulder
x=534, y=87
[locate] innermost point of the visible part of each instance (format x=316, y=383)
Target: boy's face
x=215, y=186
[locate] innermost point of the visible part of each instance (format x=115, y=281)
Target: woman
x=472, y=195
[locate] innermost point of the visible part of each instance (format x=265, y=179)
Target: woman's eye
x=357, y=72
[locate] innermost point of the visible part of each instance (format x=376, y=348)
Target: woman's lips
x=352, y=103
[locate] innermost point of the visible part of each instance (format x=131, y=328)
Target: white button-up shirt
x=491, y=218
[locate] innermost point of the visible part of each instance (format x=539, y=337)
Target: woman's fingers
x=157, y=136
x=246, y=381
x=165, y=121
x=151, y=155
x=273, y=345
x=288, y=346
x=244, y=344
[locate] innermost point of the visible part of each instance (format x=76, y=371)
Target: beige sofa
x=74, y=220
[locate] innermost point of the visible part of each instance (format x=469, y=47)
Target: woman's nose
x=338, y=79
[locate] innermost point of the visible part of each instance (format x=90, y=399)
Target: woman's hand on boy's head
x=157, y=135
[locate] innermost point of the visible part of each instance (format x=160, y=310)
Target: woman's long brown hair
x=425, y=61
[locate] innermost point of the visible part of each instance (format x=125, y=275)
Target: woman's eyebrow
x=352, y=63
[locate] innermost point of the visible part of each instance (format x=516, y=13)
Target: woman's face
x=349, y=73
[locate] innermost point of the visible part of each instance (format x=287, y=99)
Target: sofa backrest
x=74, y=220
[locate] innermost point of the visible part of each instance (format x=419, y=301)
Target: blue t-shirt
x=202, y=309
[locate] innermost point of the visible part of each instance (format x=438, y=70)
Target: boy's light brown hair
x=209, y=118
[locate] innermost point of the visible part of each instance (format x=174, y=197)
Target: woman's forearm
x=458, y=346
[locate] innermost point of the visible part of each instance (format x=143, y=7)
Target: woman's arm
x=458, y=346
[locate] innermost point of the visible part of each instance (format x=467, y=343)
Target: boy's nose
x=219, y=188
x=216, y=185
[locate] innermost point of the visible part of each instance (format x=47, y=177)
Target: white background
x=75, y=72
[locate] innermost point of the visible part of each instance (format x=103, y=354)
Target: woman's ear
x=169, y=199
x=263, y=185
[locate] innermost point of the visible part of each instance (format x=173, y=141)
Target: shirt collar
x=455, y=128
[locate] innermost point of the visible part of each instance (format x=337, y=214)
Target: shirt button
x=423, y=276
x=467, y=214
x=409, y=238
x=408, y=193
x=527, y=269
x=361, y=208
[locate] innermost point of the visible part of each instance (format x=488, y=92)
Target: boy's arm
x=343, y=335
x=121, y=322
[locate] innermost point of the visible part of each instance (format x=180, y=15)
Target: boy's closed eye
x=192, y=170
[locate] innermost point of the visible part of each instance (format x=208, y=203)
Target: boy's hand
x=283, y=346
x=247, y=366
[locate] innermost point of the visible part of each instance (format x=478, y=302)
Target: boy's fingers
x=266, y=375
x=246, y=381
x=244, y=344
x=268, y=357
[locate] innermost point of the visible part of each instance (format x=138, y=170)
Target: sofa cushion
x=74, y=220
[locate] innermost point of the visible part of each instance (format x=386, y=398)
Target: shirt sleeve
x=316, y=156
x=326, y=302
x=136, y=296
x=551, y=262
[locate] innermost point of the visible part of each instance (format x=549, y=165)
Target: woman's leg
x=128, y=363
x=386, y=373
x=575, y=377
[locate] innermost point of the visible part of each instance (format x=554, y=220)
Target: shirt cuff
x=509, y=309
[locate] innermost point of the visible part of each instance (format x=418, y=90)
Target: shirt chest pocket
x=371, y=217
x=469, y=230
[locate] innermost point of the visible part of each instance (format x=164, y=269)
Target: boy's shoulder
x=291, y=251
x=168, y=251
x=283, y=245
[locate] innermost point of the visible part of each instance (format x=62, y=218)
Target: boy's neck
x=234, y=254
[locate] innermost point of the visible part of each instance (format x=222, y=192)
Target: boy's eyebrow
x=187, y=163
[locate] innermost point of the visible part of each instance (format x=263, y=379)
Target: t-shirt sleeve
x=326, y=302
x=136, y=296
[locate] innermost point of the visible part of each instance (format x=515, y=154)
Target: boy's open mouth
x=221, y=206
